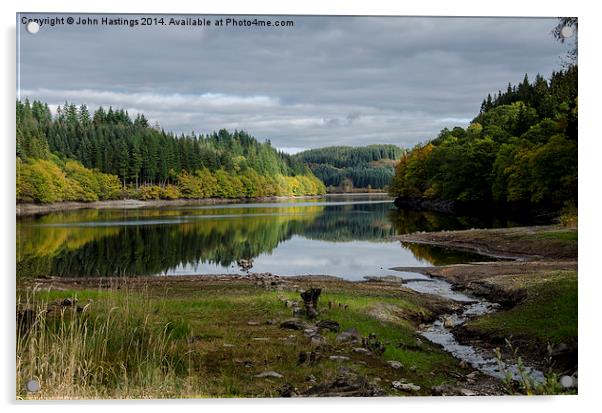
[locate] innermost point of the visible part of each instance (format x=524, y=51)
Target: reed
x=109, y=348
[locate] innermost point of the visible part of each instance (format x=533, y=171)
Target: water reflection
x=347, y=236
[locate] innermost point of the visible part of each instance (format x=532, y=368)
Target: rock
x=271, y=374
x=443, y=390
x=329, y=325
x=349, y=336
x=448, y=322
x=361, y=350
x=317, y=340
x=339, y=358
x=346, y=384
x=400, y=385
x=395, y=364
x=260, y=339
x=473, y=375
x=310, y=331
x=68, y=302
x=228, y=345
x=466, y=392
x=287, y=390
x=294, y=324
x=253, y=323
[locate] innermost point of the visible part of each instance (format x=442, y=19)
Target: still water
x=348, y=236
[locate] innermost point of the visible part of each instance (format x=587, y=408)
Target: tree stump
x=310, y=300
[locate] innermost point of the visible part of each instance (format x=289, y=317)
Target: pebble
x=395, y=364
x=399, y=385
x=269, y=374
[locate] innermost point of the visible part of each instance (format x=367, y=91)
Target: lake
x=349, y=236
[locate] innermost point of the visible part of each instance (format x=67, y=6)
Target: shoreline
x=27, y=209
x=526, y=288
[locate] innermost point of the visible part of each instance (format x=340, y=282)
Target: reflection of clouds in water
x=301, y=256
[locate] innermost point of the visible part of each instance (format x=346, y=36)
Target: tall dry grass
x=106, y=349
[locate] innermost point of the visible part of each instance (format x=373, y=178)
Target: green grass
x=170, y=342
x=564, y=235
x=547, y=314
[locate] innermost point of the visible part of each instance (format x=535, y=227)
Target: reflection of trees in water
x=441, y=256
x=152, y=249
x=206, y=235
x=342, y=223
x=407, y=221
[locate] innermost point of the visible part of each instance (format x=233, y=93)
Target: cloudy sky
x=325, y=81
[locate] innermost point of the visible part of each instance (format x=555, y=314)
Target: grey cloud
x=328, y=80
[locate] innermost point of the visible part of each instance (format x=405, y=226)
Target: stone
x=346, y=384
x=349, y=336
x=395, y=364
x=361, y=350
x=472, y=376
x=400, y=385
x=228, y=345
x=466, y=392
x=317, y=340
x=68, y=302
x=270, y=374
x=329, y=325
x=448, y=322
x=260, y=339
x=287, y=390
x=294, y=324
x=253, y=323
x=339, y=358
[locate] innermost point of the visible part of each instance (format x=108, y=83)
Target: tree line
x=83, y=156
x=347, y=167
x=520, y=148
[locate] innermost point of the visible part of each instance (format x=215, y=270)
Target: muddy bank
x=494, y=281
x=34, y=209
x=526, y=243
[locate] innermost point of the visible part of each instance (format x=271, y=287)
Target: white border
x=589, y=187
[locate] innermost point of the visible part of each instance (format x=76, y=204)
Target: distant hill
x=347, y=167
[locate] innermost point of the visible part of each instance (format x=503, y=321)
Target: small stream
x=440, y=331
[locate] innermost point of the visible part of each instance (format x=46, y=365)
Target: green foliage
x=108, y=156
x=522, y=147
x=47, y=181
x=361, y=167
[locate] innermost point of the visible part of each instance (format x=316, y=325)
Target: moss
x=548, y=313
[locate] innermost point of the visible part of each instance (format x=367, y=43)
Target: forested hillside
x=520, y=148
x=349, y=167
x=79, y=156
